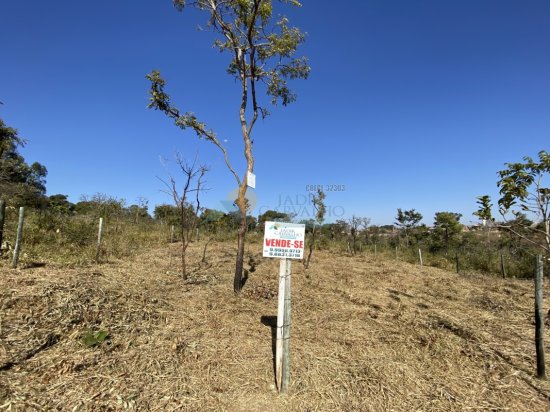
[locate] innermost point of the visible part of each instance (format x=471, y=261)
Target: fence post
x=396, y=258
x=286, y=329
x=2, y=218
x=539, y=319
x=502, y=266
x=420, y=256
x=99, y=234
x=172, y=234
x=19, y=238
x=282, y=367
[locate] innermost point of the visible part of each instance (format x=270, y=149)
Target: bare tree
x=188, y=207
x=142, y=206
x=318, y=202
x=357, y=224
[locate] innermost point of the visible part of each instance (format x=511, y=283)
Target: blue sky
x=410, y=104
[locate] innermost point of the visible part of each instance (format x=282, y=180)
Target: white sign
x=284, y=240
x=251, y=180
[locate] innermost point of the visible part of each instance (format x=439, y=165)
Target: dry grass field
x=367, y=335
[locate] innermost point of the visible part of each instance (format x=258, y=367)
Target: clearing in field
x=368, y=335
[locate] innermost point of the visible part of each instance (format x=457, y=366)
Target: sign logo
x=229, y=203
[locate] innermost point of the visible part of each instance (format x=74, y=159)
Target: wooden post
x=457, y=263
x=172, y=234
x=161, y=233
x=502, y=266
x=539, y=319
x=99, y=234
x=375, y=251
x=280, y=323
x=2, y=218
x=19, y=238
x=286, y=329
x=282, y=370
x=396, y=258
x=420, y=256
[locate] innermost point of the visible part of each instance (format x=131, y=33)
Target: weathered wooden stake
x=539, y=319
x=99, y=234
x=280, y=323
x=2, y=218
x=161, y=233
x=502, y=266
x=282, y=370
x=396, y=258
x=457, y=263
x=19, y=238
x=286, y=329
x=172, y=234
x=375, y=251
x=420, y=256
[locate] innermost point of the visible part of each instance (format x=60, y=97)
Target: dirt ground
x=367, y=335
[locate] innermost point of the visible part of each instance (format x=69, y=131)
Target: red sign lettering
x=284, y=243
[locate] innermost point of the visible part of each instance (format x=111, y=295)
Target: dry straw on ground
x=367, y=335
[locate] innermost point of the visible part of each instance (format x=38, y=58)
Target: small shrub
x=92, y=339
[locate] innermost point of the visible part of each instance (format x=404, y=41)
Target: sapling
x=318, y=201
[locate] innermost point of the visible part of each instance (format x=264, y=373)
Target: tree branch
x=509, y=228
x=160, y=100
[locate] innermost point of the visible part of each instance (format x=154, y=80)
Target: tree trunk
x=238, y=279
x=183, y=262
x=539, y=319
x=446, y=241
x=311, y=246
x=547, y=233
x=184, y=243
x=502, y=265
x=203, y=260
x=2, y=218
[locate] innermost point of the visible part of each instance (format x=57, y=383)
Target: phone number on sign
x=326, y=188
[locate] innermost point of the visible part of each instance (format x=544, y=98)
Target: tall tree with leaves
x=484, y=214
x=356, y=225
x=262, y=52
x=484, y=211
x=318, y=201
x=20, y=183
x=407, y=220
x=522, y=190
x=447, y=226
